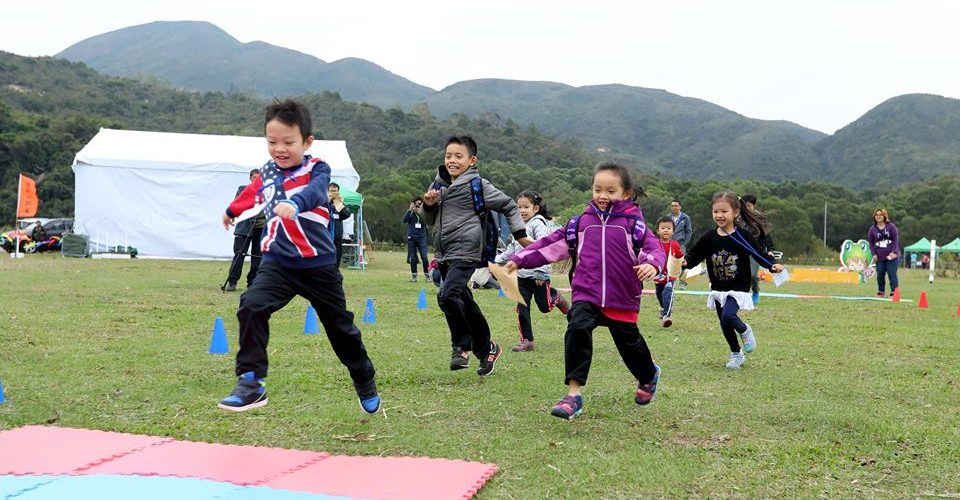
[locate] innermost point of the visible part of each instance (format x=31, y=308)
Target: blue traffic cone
x=500, y=293
x=218, y=339
x=368, y=315
x=2, y=398
x=422, y=302
x=310, y=324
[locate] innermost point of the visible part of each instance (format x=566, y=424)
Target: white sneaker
x=736, y=360
x=749, y=341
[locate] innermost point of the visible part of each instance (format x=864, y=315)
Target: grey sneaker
x=736, y=360
x=749, y=341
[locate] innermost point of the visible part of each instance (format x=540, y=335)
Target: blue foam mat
x=121, y=487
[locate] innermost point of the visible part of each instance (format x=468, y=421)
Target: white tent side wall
x=165, y=193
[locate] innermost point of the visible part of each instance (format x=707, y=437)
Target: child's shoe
x=369, y=397
x=666, y=322
x=646, y=392
x=562, y=304
x=568, y=407
x=524, y=346
x=413, y=278
x=250, y=393
x=749, y=341
x=736, y=360
x=487, y=365
x=459, y=359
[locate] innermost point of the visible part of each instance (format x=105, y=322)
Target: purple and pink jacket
x=604, y=273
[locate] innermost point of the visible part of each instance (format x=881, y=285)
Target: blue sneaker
x=756, y=297
x=646, y=392
x=568, y=407
x=368, y=396
x=250, y=393
x=370, y=404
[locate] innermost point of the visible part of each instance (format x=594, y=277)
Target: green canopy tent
x=952, y=247
x=921, y=246
x=353, y=253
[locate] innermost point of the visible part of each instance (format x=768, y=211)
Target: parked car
x=40, y=231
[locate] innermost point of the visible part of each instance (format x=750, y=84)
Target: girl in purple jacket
x=613, y=253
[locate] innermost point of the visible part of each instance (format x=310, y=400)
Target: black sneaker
x=487, y=365
x=250, y=393
x=230, y=287
x=459, y=359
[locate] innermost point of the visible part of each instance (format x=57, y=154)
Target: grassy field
x=841, y=398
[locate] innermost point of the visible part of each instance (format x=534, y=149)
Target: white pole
x=824, y=223
x=16, y=228
x=933, y=258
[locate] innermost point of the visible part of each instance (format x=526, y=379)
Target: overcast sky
x=819, y=63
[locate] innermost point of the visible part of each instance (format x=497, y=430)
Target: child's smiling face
x=457, y=160
x=607, y=188
x=286, y=144
x=724, y=214
x=527, y=208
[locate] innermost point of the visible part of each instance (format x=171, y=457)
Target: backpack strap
x=572, y=236
x=476, y=191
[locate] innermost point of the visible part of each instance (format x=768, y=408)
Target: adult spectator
x=416, y=238
x=884, y=239
x=339, y=213
x=246, y=241
x=683, y=231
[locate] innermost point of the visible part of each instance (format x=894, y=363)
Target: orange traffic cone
x=923, y=300
x=896, y=295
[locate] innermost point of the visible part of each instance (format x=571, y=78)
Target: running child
x=727, y=252
x=299, y=258
x=458, y=234
x=533, y=283
x=613, y=253
x=664, y=281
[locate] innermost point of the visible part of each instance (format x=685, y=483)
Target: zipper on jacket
x=603, y=262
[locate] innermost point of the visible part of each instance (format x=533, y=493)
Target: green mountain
x=200, y=56
x=688, y=137
x=906, y=138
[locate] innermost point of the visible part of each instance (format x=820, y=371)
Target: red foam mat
x=245, y=465
x=389, y=478
x=56, y=450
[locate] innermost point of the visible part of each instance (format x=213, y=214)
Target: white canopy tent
x=164, y=193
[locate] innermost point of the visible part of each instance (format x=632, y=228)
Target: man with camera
x=416, y=238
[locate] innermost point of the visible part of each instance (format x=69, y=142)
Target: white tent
x=164, y=193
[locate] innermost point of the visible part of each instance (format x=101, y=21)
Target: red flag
x=27, y=203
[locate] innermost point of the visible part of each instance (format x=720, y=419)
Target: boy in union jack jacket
x=299, y=258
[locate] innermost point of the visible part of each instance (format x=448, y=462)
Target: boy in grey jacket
x=458, y=239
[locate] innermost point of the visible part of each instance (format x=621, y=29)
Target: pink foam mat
x=57, y=450
x=389, y=478
x=65, y=451
x=245, y=465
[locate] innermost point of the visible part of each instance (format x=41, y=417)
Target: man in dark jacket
x=416, y=238
x=246, y=235
x=339, y=213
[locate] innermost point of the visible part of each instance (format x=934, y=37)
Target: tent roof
x=137, y=149
x=922, y=245
x=953, y=246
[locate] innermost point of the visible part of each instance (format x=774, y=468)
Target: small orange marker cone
x=923, y=300
x=896, y=295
